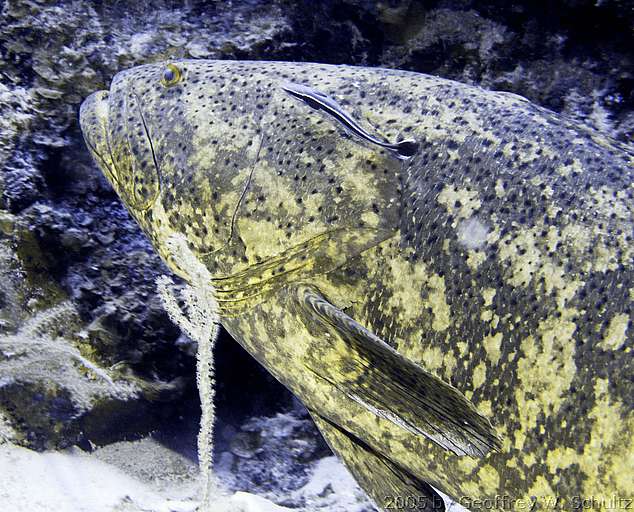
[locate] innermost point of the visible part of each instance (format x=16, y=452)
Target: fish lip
x=97, y=106
x=92, y=105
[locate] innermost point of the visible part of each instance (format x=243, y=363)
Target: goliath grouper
x=442, y=274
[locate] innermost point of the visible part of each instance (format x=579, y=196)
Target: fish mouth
x=93, y=120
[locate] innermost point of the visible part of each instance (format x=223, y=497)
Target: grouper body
x=497, y=259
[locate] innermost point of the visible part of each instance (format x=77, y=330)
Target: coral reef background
x=88, y=357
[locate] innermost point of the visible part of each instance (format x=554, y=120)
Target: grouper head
x=442, y=274
x=222, y=154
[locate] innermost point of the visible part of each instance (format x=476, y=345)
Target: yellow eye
x=171, y=75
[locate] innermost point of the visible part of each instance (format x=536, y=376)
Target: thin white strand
x=201, y=323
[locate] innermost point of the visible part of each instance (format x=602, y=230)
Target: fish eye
x=171, y=75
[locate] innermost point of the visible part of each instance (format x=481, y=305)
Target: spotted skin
x=499, y=257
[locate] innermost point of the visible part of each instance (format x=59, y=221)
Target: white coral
x=46, y=322
x=35, y=354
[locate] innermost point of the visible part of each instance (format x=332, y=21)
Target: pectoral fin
x=389, y=486
x=373, y=374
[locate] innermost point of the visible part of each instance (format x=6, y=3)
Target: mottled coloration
x=498, y=258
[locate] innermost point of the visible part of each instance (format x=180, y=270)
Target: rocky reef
x=88, y=357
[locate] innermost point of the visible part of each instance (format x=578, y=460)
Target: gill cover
x=132, y=150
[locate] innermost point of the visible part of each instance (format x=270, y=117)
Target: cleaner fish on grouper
x=442, y=274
